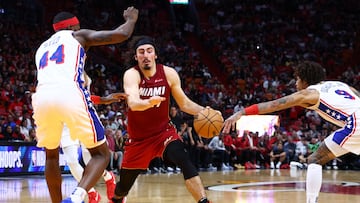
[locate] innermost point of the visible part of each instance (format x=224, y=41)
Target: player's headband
x=65, y=23
x=145, y=40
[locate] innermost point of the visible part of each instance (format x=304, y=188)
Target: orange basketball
x=208, y=123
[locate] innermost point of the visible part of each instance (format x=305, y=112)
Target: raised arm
x=303, y=98
x=88, y=38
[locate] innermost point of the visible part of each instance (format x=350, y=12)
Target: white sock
x=92, y=190
x=313, y=182
x=107, y=176
x=75, y=168
x=78, y=195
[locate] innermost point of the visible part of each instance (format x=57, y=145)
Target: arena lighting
x=257, y=123
x=184, y=2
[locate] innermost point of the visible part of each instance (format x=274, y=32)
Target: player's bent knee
x=189, y=171
x=176, y=153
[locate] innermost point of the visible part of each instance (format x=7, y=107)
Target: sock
x=78, y=194
x=92, y=190
x=75, y=168
x=107, y=176
x=313, y=182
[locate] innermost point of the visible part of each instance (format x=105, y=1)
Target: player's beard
x=147, y=67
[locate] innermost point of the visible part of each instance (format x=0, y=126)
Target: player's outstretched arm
x=88, y=38
x=111, y=98
x=303, y=98
x=131, y=86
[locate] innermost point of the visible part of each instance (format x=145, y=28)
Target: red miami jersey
x=155, y=120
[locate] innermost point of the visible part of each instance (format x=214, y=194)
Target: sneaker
x=224, y=167
x=272, y=166
x=110, y=186
x=69, y=200
x=239, y=166
x=162, y=170
x=204, y=200
x=296, y=165
x=156, y=170
x=169, y=169
x=94, y=197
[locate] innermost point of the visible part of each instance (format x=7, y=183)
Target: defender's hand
x=131, y=13
x=230, y=123
x=114, y=97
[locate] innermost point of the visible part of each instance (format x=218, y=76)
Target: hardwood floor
x=239, y=186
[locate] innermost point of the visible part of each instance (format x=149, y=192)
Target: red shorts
x=139, y=153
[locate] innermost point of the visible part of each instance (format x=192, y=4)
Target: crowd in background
x=248, y=49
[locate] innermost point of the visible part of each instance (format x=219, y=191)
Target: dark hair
x=141, y=40
x=63, y=15
x=310, y=72
x=133, y=44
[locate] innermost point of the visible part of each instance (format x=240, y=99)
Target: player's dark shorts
x=139, y=153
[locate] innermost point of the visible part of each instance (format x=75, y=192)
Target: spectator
x=17, y=135
x=290, y=149
x=264, y=149
x=176, y=118
x=119, y=149
x=277, y=155
x=229, y=142
x=250, y=152
x=23, y=129
x=220, y=155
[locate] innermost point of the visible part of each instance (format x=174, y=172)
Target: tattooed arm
x=303, y=98
x=88, y=38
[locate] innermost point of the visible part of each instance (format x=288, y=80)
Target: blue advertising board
x=24, y=158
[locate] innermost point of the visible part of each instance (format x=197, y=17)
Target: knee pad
x=119, y=191
x=127, y=179
x=176, y=153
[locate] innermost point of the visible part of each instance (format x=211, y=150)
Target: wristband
x=95, y=99
x=252, y=110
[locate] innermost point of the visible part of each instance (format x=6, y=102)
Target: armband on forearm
x=252, y=110
x=95, y=99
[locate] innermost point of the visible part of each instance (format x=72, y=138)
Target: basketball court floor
x=239, y=186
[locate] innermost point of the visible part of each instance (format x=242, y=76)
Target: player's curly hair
x=310, y=72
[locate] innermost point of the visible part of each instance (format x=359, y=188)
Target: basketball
x=208, y=123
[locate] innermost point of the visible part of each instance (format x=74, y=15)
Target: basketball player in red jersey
x=151, y=134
